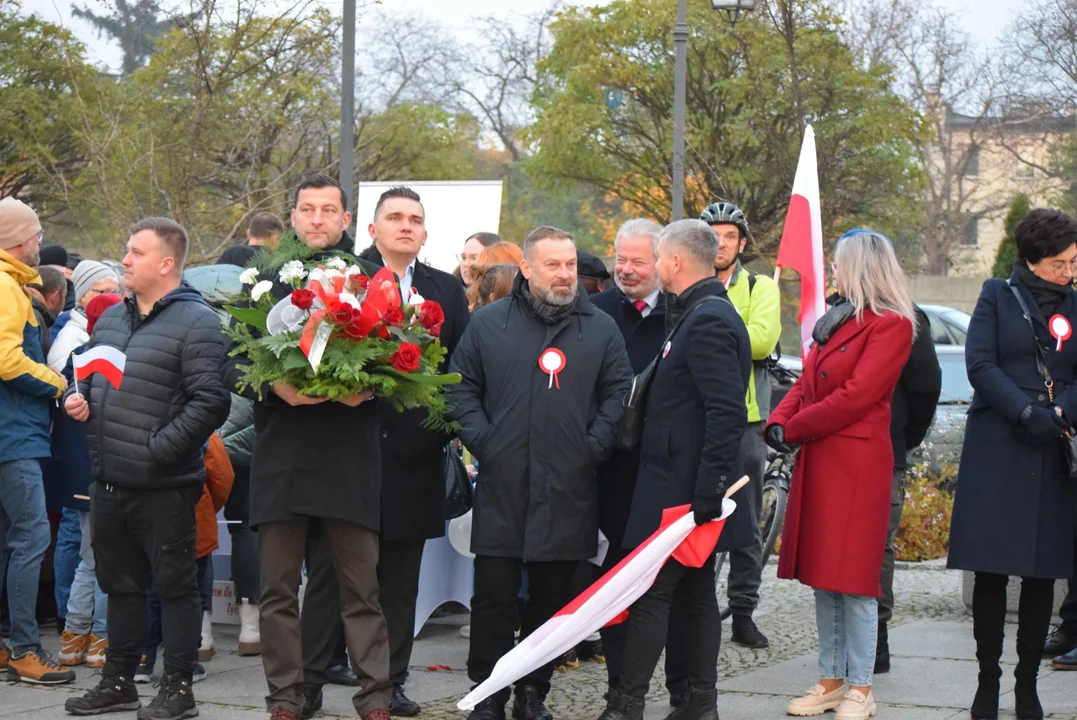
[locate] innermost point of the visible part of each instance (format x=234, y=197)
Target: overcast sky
x=989, y=19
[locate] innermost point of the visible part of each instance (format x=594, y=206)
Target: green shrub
x=925, y=521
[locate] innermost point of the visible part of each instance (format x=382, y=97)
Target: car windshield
x=955, y=380
x=956, y=317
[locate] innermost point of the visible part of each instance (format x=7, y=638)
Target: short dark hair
x=1043, y=233
x=486, y=239
x=265, y=225
x=321, y=181
x=545, y=232
x=52, y=280
x=171, y=234
x=399, y=191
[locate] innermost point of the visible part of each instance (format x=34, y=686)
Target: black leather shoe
x=492, y=708
x=311, y=698
x=700, y=705
x=401, y=705
x=622, y=707
x=527, y=704
x=1065, y=662
x=341, y=675
x=1059, y=642
x=882, y=651
x=747, y=634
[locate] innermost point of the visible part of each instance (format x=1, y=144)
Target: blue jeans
x=24, y=539
x=848, y=630
x=87, y=608
x=65, y=558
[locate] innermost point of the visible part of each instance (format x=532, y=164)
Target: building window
x=972, y=161
x=1024, y=171
x=970, y=233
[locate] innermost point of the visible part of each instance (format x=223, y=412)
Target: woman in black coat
x=1014, y=511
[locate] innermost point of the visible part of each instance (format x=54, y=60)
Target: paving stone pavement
x=931, y=637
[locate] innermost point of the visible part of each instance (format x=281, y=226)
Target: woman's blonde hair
x=871, y=277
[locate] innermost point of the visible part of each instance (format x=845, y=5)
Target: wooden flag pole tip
x=736, y=486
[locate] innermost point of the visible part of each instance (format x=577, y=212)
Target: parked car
x=949, y=326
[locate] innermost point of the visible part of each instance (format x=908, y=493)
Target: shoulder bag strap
x=1041, y=356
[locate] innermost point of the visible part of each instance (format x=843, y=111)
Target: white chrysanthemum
x=292, y=271
x=261, y=289
x=335, y=263
x=249, y=276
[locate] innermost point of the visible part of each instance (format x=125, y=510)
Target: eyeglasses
x=460, y=257
x=40, y=236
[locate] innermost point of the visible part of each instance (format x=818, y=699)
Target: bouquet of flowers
x=340, y=332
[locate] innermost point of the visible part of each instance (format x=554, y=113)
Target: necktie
x=641, y=305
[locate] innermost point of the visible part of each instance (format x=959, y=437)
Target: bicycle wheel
x=775, y=497
x=721, y=584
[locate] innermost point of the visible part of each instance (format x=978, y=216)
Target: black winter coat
x=413, y=457
x=317, y=460
x=695, y=417
x=912, y=407
x=643, y=338
x=537, y=446
x=1014, y=504
x=148, y=434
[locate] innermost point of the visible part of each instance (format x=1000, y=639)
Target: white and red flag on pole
x=801, y=248
x=103, y=359
x=607, y=601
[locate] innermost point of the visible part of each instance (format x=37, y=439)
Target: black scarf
x=678, y=305
x=841, y=310
x=1048, y=295
x=544, y=311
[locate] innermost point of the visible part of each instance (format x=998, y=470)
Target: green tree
x=745, y=111
x=1007, y=249
x=136, y=26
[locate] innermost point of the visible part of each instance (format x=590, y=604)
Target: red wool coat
x=839, y=411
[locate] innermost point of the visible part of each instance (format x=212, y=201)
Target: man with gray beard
x=544, y=375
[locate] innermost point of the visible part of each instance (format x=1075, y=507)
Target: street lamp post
x=347, y=105
x=733, y=9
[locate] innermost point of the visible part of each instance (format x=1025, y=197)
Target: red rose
x=354, y=332
x=303, y=299
x=345, y=315
x=393, y=315
x=432, y=317
x=406, y=359
x=360, y=281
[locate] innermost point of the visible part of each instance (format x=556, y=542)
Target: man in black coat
x=694, y=418
x=146, y=443
x=912, y=410
x=544, y=376
x=638, y=306
x=317, y=467
x=412, y=463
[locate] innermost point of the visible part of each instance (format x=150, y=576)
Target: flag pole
x=777, y=273
x=75, y=374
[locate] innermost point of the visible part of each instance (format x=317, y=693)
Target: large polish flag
x=801, y=248
x=103, y=359
x=607, y=602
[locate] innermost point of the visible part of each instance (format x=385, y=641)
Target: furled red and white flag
x=607, y=601
x=801, y=248
x=103, y=359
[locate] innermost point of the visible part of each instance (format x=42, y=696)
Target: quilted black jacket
x=149, y=433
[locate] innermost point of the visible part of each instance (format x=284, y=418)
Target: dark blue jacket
x=1014, y=507
x=69, y=471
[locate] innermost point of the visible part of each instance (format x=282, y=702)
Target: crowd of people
x=351, y=489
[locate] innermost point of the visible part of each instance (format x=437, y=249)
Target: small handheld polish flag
x=103, y=359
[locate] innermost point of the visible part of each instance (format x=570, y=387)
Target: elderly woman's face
x=1059, y=268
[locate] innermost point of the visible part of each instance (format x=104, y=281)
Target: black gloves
x=775, y=437
x=1040, y=426
x=706, y=509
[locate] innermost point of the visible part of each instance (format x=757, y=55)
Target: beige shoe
x=73, y=648
x=856, y=706
x=816, y=702
x=95, y=656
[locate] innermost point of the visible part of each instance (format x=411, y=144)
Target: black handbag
x=1069, y=440
x=631, y=428
x=458, y=491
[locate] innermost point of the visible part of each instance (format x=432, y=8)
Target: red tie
x=641, y=305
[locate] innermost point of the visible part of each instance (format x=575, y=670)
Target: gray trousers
x=746, y=566
x=897, y=502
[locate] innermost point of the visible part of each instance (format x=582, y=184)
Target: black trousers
x=142, y=537
x=1068, y=611
x=648, y=622
x=244, y=540
x=613, y=636
x=398, y=580
x=495, y=611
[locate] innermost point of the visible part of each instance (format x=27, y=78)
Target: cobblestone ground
x=786, y=615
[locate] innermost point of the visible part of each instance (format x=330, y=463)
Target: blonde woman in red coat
x=838, y=413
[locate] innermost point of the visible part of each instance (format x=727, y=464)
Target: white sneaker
x=465, y=631
x=856, y=706
x=205, y=650
x=250, y=639
x=816, y=702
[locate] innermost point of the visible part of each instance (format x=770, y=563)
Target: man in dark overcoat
x=694, y=419
x=317, y=466
x=412, y=462
x=544, y=377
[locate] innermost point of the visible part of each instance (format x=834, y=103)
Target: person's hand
x=1041, y=426
x=77, y=408
x=355, y=399
x=775, y=438
x=287, y=392
x=703, y=511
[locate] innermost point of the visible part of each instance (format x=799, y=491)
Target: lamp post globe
x=733, y=8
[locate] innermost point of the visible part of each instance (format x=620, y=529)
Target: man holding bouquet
x=317, y=465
